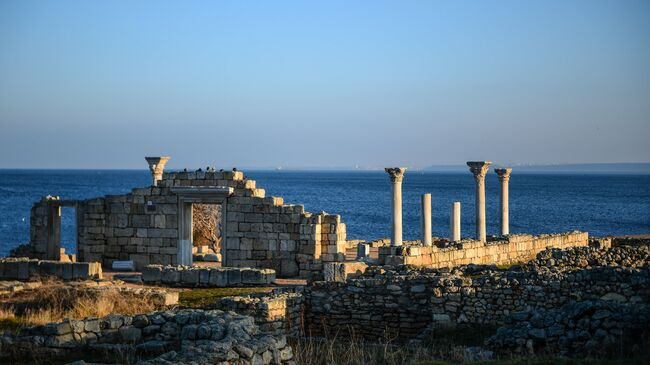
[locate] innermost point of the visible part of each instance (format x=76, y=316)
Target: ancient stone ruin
x=561, y=293
x=154, y=226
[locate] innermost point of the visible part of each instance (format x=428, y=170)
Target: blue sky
x=90, y=84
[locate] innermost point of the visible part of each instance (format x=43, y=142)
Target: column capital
x=157, y=164
x=504, y=174
x=396, y=173
x=479, y=168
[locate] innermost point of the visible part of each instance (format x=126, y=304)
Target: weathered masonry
x=153, y=225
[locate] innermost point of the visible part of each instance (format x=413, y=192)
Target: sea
x=600, y=204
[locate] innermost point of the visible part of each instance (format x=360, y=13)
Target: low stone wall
x=12, y=286
x=629, y=241
x=182, y=337
x=275, y=314
x=208, y=277
x=593, y=329
x=511, y=249
x=22, y=268
x=404, y=302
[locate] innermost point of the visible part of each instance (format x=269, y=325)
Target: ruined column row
x=479, y=169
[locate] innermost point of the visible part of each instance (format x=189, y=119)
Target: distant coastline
x=588, y=168
x=641, y=168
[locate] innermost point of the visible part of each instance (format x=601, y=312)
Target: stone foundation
x=591, y=329
x=402, y=304
x=206, y=277
x=275, y=314
x=31, y=269
x=508, y=250
x=183, y=336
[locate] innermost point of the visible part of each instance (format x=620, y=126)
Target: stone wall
x=32, y=269
x=629, y=241
x=40, y=227
x=206, y=277
x=591, y=329
x=278, y=314
x=404, y=302
x=508, y=250
x=145, y=226
x=170, y=337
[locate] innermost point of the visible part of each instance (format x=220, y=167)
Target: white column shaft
x=426, y=219
x=396, y=204
x=505, y=224
x=504, y=178
x=454, y=224
x=481, y=233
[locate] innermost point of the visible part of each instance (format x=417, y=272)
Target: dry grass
x=446, y=346
x=354, y=351
x=55, y=301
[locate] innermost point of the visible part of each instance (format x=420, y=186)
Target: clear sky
x=100, y=84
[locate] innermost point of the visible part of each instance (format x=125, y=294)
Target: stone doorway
x=55, y=250
x=207, y=231
x=191, y=200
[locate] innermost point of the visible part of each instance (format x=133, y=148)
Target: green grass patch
x=197, y=298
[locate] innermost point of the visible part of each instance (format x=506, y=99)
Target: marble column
x=504, y=179
x=157, y=166
x=454, y=222
x=479, y=169
x=396, y=177
x=426, y=219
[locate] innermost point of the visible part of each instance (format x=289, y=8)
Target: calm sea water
x=599, y=204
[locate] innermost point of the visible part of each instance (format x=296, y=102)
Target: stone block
x=252, y=277
x=341, y=271
x=212, y=257
x=81, y=271
x=67, y=271
x=204, y=277
x=152, y=273
x=269, y=275
x=218, y=278
x=289, y=268
x=62, y=341
x=171, y=276
x=50, y=268
x=234, y=277
x=128, y=265
x=130, y=334
x=190, y=277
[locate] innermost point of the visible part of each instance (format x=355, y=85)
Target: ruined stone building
x=153, y=225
